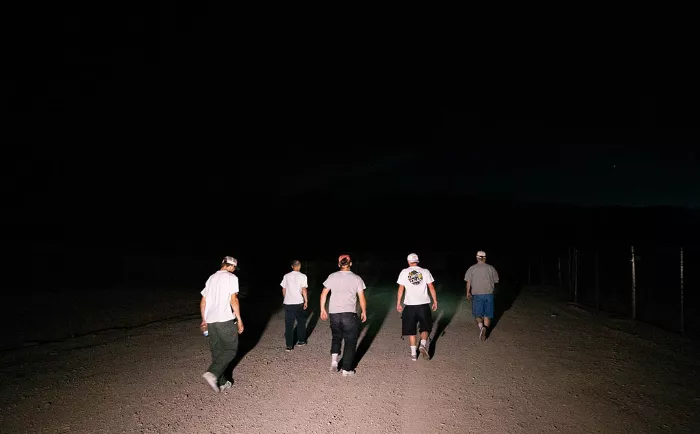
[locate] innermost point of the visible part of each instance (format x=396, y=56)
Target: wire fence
x=651, y=283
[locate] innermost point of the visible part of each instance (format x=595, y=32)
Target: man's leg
x=477, y=309
x=336, y=339
x=488, y=313
x=478, y=303
x=224, y=347
x=301, y=323
x=289, y=326
x=426, y=326
x=351, y=328
x=408, y=328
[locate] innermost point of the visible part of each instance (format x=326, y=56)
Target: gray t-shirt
x=344, y=286
x=483, y=277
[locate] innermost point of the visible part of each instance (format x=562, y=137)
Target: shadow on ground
x=448, y=303
x=313, y=313
x=256, y=313
x=504, y=297
x=378, y=305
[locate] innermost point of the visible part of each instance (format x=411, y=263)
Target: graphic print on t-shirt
x=415, y=277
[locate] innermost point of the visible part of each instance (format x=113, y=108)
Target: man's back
x=482, y=277
x=344, y=286
x=294, y=281
x=217, y=292
x=415, y=279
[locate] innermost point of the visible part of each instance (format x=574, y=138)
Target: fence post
x=559, y=270
x=570, y=278
x=575, y=275
x=597, y=281
x=634, y=287
x=682, y=305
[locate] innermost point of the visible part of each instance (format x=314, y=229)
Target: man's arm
x=202, y=306
x=363, y=305
x=237, y=310
x=305, y=294
x=398, y=299
x=431, y=287
x=284, y=291
x=324, y=294
x=469, y=290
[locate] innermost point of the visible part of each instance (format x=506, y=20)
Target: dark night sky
x=150, y=120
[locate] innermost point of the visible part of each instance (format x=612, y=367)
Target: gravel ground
x=547, y=367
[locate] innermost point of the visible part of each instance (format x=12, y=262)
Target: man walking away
x=345, y=288
x=481, y=279
x=220, y=310
x=416, y=281
x=294, y=290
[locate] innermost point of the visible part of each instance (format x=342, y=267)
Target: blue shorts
x=482, y=305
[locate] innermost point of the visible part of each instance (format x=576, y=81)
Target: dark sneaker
x=301, y=344
x=424, y=352
x=288, y=349
x=348, y=373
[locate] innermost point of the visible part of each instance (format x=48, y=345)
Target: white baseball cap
x=230, y=260
x=480, y=254
x=412, y=258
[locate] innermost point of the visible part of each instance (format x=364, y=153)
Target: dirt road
x=548, y=367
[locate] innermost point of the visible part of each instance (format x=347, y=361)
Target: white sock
x=334, y=359
x=481, y=325
x=423, y=342
x=413, y=350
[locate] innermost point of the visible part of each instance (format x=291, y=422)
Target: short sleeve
x=469, y=274
x=402, y=278
x=361, y=284
x=234, y=285
x=429, y=277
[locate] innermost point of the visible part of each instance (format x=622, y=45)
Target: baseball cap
x=412, y=258
x=230, y=260
x=480, y=254
x=341, y=257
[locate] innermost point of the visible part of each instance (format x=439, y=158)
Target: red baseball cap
x=341, y=257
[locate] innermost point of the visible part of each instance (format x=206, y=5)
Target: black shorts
x=413, y=314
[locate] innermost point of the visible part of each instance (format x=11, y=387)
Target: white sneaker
x=424, y=352
x=211, y=381
x=348, y=373
x=334, y=367
x=414, y=357
x=225, y=386
x=482, y=334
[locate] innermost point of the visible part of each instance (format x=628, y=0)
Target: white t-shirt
x=293, y=282
x=415, y=280
x=217, y=294
x=344, y=286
